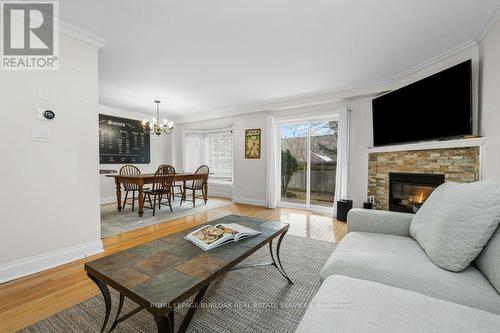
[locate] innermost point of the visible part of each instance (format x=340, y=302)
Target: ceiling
x=202, y=57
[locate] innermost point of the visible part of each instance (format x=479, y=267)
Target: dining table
x=143, y=179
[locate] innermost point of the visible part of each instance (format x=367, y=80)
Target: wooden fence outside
x=322, y=179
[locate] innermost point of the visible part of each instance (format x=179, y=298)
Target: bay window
x=213, y=148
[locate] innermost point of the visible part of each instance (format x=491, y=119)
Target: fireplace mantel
x=427, y=145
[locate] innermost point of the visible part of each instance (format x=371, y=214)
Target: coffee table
x=161, y=274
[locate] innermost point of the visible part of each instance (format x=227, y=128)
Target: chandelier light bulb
x=155, y=126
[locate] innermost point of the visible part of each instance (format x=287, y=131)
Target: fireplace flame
x=420, y=198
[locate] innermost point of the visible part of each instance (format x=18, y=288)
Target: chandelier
x=156, y=126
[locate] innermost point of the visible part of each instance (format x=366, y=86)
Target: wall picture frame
x=252, y=143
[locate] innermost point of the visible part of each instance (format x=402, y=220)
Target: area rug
x=247, y=300
x=114, y=222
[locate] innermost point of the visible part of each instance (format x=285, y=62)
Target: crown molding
x=493, y=20
x=73, y=31
x=447, y=54
x=80, y=34
x=364, y=89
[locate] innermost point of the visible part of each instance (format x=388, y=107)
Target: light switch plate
x=40, y=134
x=43, y=93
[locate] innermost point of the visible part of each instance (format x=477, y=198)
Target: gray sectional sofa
x=386, y=275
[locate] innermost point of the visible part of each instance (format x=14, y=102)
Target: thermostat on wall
x=45, y=114
x=49, y=115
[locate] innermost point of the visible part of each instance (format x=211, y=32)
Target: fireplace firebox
x=408, y=191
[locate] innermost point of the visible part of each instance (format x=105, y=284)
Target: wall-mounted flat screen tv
x=437, y=107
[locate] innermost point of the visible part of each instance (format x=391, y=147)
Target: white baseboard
x=19, y=268
x=108, y=200
x=249, y=201
x=220, y=195
x=220, y=192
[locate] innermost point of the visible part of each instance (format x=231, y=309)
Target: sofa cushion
x=400, y=262
x=456, y=222
x=344, y=304
x=488, y=261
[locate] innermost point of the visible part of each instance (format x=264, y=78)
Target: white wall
x=490, y=101
x=161, y=153
x=50, y=190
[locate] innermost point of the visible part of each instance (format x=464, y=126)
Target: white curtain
x=341, y=191
x=272, y=167
x=194, y=151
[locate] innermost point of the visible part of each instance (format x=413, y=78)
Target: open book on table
x=209, y=237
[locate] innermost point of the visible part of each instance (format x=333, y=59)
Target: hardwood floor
x=25, y=301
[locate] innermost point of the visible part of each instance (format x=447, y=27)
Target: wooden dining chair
x=162, y=187
x=181, y=190
x=129, y=170
x=199, y=183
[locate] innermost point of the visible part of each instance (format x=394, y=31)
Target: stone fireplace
x=459, y=165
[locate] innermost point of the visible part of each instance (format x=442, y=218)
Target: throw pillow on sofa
x=456, y=222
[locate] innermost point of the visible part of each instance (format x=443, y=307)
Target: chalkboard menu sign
x=122, y=140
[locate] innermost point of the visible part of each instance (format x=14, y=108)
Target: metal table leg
x=107, y=298
x=120, y=306
x=277, y=262
x=165, y=324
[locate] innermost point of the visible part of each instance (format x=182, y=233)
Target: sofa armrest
x=379, y=221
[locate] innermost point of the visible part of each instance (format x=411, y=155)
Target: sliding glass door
x=294, y=163
x=308, y=163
